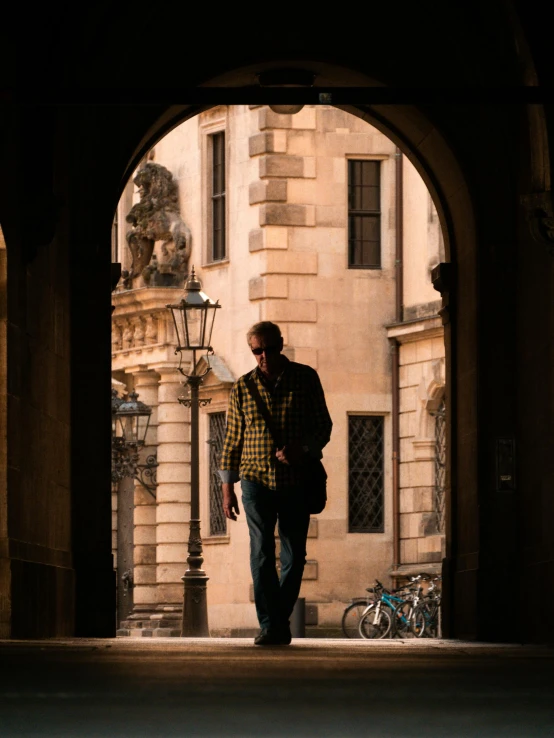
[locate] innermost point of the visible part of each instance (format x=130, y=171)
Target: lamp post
x=194, y=318
x=130, y=420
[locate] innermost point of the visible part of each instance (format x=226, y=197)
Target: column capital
x=146, y=377
x=166, y=368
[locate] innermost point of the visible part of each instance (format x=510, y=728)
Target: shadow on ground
x=314, y=687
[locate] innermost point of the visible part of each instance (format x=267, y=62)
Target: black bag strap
x=264, y=410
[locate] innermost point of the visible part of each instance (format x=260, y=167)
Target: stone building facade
x=268, y=210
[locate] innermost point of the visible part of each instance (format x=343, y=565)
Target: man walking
x=271, y=489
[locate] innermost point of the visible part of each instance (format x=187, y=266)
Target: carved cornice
x=141, y=320
x=144, y=299
x=137, y=331
x=416, y=330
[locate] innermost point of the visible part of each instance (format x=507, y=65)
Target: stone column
x=144, y=573
x=173, y=497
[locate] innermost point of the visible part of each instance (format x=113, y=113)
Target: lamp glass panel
x=210, y=319
x=182, y=331
x=120, y=427
x=129, y=431
x=142, y=427
x=194, y=321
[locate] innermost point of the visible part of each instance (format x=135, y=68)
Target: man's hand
x=230, y=502
x=292, y=453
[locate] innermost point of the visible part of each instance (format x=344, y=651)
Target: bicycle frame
x=388, y=599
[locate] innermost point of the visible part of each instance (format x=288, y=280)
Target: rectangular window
x=218, y=522
x=364, y=214
x=365, y=474
x=218, y=248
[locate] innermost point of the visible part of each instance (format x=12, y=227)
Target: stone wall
x=36, y=563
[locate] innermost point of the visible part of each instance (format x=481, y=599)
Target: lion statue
x=154, y=218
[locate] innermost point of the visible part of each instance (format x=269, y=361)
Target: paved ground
x=312, y=688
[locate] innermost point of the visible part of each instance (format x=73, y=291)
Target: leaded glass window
x=365, y=474
x=440, y=464
x=218, y=521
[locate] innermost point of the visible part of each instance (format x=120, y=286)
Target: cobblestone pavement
x=313, y=688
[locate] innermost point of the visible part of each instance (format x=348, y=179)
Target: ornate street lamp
x=194, y=318
x=130, y=420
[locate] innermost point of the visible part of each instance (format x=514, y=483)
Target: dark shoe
x=286, y=635
x=272, y=638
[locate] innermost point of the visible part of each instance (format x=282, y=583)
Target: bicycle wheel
x=376, y=623
x=421, y=619
x=351, y=619
x=402, y=621
x=426, y=621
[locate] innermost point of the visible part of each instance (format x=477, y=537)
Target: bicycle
x=394, y=600
x=425, y=621
x=352, y=614
x=403, y=623
x=376, y=621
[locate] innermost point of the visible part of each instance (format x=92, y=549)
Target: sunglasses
x=268, y=350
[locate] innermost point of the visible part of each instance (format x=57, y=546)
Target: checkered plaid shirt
x=297, y=406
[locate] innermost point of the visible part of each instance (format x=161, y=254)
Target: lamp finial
x=193, y=283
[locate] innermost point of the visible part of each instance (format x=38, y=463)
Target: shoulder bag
x=312, y=474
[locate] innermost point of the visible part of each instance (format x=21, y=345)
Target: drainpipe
x=399, y=219
x=399, y=244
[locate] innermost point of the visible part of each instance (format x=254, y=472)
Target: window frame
x=367, y=213
x=210, y=122
x=439, y=484
x=216, y=393
x=217, y=197
x=383, y=474
x=212, y=474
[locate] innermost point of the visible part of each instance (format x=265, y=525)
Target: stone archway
x=437, y=165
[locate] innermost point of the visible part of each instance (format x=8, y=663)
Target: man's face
x=267, y=352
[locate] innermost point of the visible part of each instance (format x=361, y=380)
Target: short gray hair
x=265, y=328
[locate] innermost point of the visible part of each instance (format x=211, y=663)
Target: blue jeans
x=275, y=595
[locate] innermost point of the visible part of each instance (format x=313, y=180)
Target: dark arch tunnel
x=476, y=159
